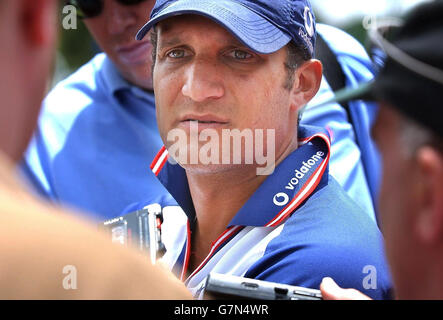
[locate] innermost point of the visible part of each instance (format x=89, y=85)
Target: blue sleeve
x=306, y=266
x=58, y=114
x=352, y=146
x=328, y=237
x=35, y=167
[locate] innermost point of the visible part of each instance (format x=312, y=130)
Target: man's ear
x=429, y=219
x=38, y=21
x=307, y=82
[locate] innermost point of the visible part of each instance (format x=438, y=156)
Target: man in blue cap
x=97, y=131
x=227, y=67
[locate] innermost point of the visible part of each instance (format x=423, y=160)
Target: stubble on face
x=208, y=80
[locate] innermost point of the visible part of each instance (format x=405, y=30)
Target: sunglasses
x=93, y=8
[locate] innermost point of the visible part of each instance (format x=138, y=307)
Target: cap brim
x=252, y=29
x=365, y=92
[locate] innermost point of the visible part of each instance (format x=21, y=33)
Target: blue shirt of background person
x=97, y=132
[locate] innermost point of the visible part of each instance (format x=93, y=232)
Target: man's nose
x=202, y=81
x=120, y=17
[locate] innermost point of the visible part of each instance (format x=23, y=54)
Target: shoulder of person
x=333, y=210
x=71, y=95
x=85, y=74
x=328, y=236
x=84, y=80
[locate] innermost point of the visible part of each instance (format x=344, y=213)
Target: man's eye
x=176, y=54
x=240, y=54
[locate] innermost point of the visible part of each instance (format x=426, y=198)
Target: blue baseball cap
x=264, y=26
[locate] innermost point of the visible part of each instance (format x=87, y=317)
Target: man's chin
x=218, y=169
x=203, y=168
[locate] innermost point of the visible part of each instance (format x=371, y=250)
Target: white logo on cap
x=309, y=21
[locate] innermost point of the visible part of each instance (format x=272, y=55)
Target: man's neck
x=218, y=197
x=216, y=201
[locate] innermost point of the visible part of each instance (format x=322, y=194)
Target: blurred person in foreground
x=409, y=132
x=37, y=240
x=97, y=132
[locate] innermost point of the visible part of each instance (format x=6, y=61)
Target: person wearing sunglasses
x=409, y=133
x=97, y=129
x=113, y=24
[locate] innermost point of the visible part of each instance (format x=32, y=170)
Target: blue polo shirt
x=298, y=227
x=95, y=139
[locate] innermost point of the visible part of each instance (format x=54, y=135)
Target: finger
x=331, y=291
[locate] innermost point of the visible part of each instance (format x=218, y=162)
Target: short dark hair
x=296, y=57
x=154, y=41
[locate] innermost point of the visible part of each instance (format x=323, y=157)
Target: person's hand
x=331, y=291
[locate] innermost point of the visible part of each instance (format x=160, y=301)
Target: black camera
x=229, y=287
x=140, y=229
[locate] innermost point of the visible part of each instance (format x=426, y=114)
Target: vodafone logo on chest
x=282, y=198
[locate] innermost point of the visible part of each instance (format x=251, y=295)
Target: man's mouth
x=199, y=121
x=134, y=53
x=204, y=119
x=202, y=122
